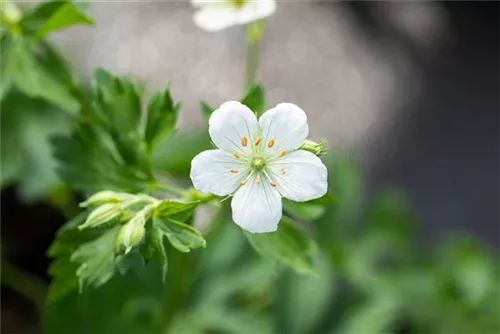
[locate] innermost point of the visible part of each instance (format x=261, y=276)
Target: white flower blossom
x=213, y=15
x=258, y=162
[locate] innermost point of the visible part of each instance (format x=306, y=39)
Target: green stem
x=254, y=36
x=26, y=284
x=252, y=61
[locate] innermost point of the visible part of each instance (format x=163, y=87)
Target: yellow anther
x=236, y=155
x=258, y=140
x=283, y=171
x=234, y=171
x=244, y=141
x=271, y=143
x=272, y=183
x=282, y=154
x=257, y=179
x=244, y=182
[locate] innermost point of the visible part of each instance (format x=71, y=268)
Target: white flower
x=258, y=162
x=217, y=15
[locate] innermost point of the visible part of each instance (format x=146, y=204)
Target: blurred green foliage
x=345, y=263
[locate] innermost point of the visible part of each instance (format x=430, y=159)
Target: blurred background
x=407, y=95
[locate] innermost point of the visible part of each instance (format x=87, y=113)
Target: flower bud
x=131, y=234
x=102, y=215
x=103, y=197
x=318, y=149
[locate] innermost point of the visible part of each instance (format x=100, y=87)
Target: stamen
x=257, y=142
x=271, y=143
x=236, y=155
x=282, y=154
x=283, y=171
x=257, y=179
x=244, y=182
x=234, y=171
x=272, y=183
x=244, y=141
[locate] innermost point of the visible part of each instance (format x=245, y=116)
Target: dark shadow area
x=445, y=154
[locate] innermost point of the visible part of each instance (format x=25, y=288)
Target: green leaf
x=88, y=161
x=52, y=16
x=374, y=316
x=127, y=304
x=305, y=300
x=175, y=156
x=206, y=110
x=158, y=248
x=308, y=211
x=254, y=99
x=175, y=210
x=96, y=259
x=117, y=102
x=183, y=237
x=470, y=269
x=28, y=74
x=67, y=15
x=288, y=245
x=162, y=117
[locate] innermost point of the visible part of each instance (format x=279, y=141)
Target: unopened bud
x=103, y=197
x=101, y=215
x=318, y=149
x=131, y=234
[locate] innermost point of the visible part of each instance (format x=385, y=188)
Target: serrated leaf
x=96, y=259
x=254, y=99
x=162, y=118
x=183, y=237
x=175, y=210
x=288, y=245
x=158, y=248
x=67, y=15
x=206, y=110
x=27, y=73
x=89, y=162
x=117, y=102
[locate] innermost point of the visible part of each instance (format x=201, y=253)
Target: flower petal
x=257, y=207
x=286, y=125
x=299, y=176
x=255, y=10
x=215, y=16
x=217, y=172
x=233, y=127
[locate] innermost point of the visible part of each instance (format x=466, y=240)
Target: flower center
x=258, y=164
x=238, y=3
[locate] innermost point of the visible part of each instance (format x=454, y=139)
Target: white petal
x=211, y=172
x=255, y=10
x=257, y=207
x=230, y=125
x=286, y=124
x=299, y=176
x=199, y=3
x=215, y=16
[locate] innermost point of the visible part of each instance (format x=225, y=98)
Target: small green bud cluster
x=318, y=149
x=110, y=207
